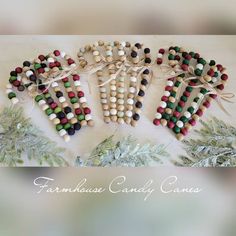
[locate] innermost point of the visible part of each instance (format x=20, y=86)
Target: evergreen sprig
x=216, y=146
x=124, y=153
x=19, y=138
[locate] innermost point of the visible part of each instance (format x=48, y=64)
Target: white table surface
x=15, y=49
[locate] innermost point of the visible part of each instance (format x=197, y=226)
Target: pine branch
x=19, y=137
x=215, y=147
x=126, y=152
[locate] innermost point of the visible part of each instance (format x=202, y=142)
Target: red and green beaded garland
x=176, y=118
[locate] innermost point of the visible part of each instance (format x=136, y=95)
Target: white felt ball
x=54, y=84
x=88, y=117
x=120, y=101
x=62, y=132
x=169, y=83
x=130, y=101
x=82, y=100
x=113, y=99
x=62, y=99
x=52, y=116
x=69, y=115
x=187, y=114
x=128, y=113
x=29, y=73
x=163, y=104
x=14, y=101
x=167, y=93
x=132, y=90
x=106, y=113
x=77, y=83
x=180, y=124
x=158, y=115
x=133, y=79
x=113, y=112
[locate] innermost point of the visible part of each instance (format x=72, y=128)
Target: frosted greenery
x=124, y=153
x=20, y=138
x=214, y=147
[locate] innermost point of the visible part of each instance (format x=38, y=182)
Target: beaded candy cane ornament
x=37, y=77
x=209, y=78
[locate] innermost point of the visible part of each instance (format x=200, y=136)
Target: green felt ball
x=183, y=98
x=177, y=49
x=186, y=62
x=177, y=84
x=47, y=95
x=38, y=98
x=166, y=116
x=80, y=117
x=173, y=94
x=11, y=95
x=74, y=100
x=59, y=127
x=191, y=110
x=170, y=105
x=174, y=119
x=171, y=57
x=49, y=111
x=179, y=108
x=189, y=89
x=176, y=129
x=198, y=72
x=37, y=66
x=57, y=110
x=184, y=119
x=212, y=63
x=67, y=126
x=12, y=79
x=67, y=84
x=203, y=91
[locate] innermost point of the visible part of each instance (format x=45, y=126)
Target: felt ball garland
x=117, y=98
x=67, y=113
x=179, y=118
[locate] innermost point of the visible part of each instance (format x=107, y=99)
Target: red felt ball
x=220, y=86
x=219, y=67
x=53, y=105
x=41, y=70
x=214, y=96
x=57, y=53
x=64, y=80
x=177, y=58
x=78, y=111
x=87, y=111
x=16, y=83
x=184, y=131
x=211, y=72
x=41, y=57
x=160, y=109
x=224, y=77
x=168, y=88
x=181, y=103
x=162, y=50
x=70, y=61
x=188, y=57
x=64, y=121
x=186, y=93
x=58, y=64
x=184, y=67
x=192, y=122
x=171, y=124
x=71, y=94
x=159, y=61
x=206, y=104
x=199, y=112
x=164, y=98
x=176, y=114
x=52, y=64
x=156, y=122
x=76, y=77
x=45, y=91
x=191, y=83
x=18, y=70
x=80, y=94
x=197, y=55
